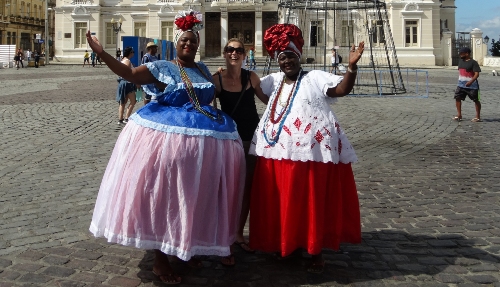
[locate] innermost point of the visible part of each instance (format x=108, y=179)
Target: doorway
x=242, y=26
x=212, y=34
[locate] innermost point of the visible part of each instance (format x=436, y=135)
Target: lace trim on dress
x=162, y=246
x=156, y=69
x=183, y=130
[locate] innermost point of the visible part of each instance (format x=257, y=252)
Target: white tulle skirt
x=177, y=193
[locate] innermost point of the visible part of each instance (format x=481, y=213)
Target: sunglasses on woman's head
x=231, y=49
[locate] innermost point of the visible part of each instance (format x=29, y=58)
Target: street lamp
x=117, y=26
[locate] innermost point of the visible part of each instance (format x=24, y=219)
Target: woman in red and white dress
x=303, y=194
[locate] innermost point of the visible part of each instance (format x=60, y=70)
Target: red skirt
x=310, y=205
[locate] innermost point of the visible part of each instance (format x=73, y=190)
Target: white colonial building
x=417, y=25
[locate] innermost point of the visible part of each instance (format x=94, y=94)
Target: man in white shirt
x=28, y=55
x=335, y=61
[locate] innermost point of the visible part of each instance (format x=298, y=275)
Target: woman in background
x=126, y=90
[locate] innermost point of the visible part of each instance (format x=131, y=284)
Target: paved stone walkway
x=428, y=186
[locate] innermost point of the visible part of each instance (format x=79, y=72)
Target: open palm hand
x=356, y=53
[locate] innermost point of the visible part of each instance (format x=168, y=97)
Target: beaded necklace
x=192, y=94
x=272, y=140
x=277, y=98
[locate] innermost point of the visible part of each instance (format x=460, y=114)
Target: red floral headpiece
x=281, y=37
x=188, y=22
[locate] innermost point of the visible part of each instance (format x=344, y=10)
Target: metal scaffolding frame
x=344, y=23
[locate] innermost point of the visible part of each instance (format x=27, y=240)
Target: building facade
x=416, y=25
x=21, y=21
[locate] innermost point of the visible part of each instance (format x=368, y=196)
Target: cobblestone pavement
x=428, y=186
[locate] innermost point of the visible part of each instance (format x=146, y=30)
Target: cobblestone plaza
x=429, y=190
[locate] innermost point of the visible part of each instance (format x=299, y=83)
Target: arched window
x=28, y=10
x=22, y=9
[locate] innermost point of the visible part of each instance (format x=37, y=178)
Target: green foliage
x=495, y=48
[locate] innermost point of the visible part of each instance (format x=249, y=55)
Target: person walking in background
x=86, y=58
x=335, y=61
x=19, y=58
x=98, y=59
x=150, y=56
x=37, y=59
x=28, y=56
x=468, y=86
x=119, y=54
x=92, y=58
x=175, y=178
x=236, y=87
x=126, y=90
x=251, y=59
x=303, y=193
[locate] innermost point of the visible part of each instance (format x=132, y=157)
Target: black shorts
x=462, y=93
x=335, y=65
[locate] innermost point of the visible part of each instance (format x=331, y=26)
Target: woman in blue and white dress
x=175, y=178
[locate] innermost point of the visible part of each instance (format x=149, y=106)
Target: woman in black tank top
x=235, y=89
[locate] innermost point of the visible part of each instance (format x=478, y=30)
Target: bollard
x=494, y=73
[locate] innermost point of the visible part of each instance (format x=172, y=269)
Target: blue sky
x=482, y=14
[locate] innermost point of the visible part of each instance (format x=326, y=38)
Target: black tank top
x=245, y=115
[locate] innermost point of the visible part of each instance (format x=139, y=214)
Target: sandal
x=228, y=261
x=244, y=245
x=457, y=119
x=476, y=120
x=169, y=279
x=316, y=267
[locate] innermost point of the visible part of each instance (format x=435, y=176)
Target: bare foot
x=163, y=270
x=195, y=263
x=317, y=264
x=228, y=261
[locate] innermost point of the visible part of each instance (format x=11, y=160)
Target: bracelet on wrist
x=352, y=71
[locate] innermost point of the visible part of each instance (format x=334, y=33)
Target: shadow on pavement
x=383, y=254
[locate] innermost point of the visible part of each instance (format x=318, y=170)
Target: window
x=347, y=32
x=411, y=33
x=8, y=38
x=80, y=39
x=110, y=34
x=28, y=10
x=40, y=12
x=22, y=9
x=140, y=29
x=167, y=30
x=7, y=8
x=35, y=11
x=14, y=7
x=377, y=30
x=317, y=33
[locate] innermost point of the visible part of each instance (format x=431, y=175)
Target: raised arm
x=347, y=83
x=139, y=75
x=258, y=90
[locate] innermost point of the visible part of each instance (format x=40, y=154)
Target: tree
x=495, y=48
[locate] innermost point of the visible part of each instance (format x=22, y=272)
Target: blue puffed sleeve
x=163, y=71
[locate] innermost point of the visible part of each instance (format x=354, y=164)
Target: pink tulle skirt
x=177, y=193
